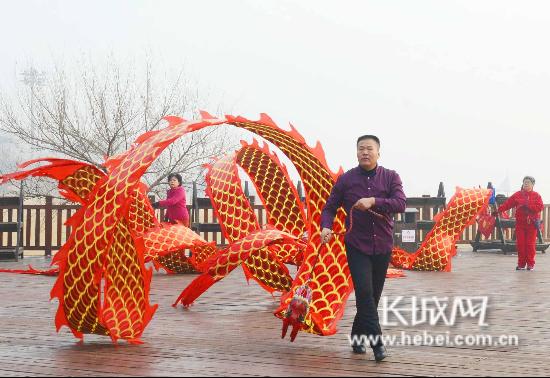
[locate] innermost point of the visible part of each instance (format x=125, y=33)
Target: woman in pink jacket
x=528, y=205
x=175, y=202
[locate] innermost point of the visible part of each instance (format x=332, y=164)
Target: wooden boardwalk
x=231, y=330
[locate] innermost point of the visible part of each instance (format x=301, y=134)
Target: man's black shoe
x=380, y=353
x=359, y=349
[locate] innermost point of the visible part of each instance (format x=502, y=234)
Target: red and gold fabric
x=439, y=246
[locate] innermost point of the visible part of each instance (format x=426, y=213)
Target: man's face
x=368, y=154
x=174, y=183
x=528, y=185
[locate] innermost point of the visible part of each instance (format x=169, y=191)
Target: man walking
x=370, y=194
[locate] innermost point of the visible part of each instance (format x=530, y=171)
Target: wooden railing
x=44, y=226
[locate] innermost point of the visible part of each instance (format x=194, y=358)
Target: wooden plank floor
x=231, y=330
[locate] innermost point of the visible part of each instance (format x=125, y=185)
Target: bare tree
x=92, y=112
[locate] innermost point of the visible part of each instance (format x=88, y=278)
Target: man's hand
x=365, y=204
x=326, y=235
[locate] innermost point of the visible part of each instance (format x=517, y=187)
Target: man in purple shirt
x=371, y=194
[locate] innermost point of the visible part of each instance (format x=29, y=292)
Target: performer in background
x=175, y=202
x=528, y=205
x=371, y=194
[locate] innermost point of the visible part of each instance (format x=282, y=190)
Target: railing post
x=300, y=191
x=195, y=201
x=426, y=209
x=251, y=199
x=441, y=190
x=19, y=247
x=246, y=190
x=48, y=226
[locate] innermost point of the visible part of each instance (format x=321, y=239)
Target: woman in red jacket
x=529, y=206
x=175, y=202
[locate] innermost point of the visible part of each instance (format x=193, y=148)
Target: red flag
x=486, y=224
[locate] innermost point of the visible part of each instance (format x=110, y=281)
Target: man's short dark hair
x=177, y=176
x=365, y=137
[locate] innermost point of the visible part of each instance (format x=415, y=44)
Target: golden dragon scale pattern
x=168, y=238
x=142, y=219
x=165, y=246
x=123, y=306
x=439, y=246
x=103, y=286
x=94, y=254
x=221, y=264
x=330, y=281
x=76, y=179
x=278, y=195
x=237, y=220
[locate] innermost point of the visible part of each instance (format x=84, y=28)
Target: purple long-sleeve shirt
x=370, y=234
x=176, y=206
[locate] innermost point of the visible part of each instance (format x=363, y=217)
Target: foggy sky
x=458, y=91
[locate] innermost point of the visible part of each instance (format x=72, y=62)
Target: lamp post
x=33, y=79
